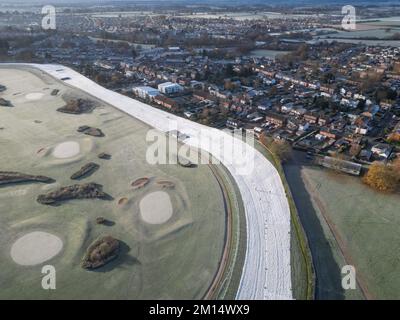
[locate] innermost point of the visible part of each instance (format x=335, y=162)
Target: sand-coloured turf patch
x=156, y=207
x=140, y=183
x=35, y=248
x=66, y=150
x=122, y=201
x=166, y=184
x=34, y=96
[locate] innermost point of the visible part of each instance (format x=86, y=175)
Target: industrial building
x=342, y=165
x=170, y=88
x=145, y=92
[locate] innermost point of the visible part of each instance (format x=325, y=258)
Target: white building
x=145, y=92
x=170, y=88
x=382, y=150
x=287, y=108
x=129, y=74
x=304, y=126
x=104, y=65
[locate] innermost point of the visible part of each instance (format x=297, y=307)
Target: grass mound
x=77, y=106
x=84, y=191
x=5, y=103
x=100, y=252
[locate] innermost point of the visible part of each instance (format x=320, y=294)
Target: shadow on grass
x=25, y=183
x=107, y=197
x=108, y=223
x=87, y=174
x=58, y=203
x=327, y=271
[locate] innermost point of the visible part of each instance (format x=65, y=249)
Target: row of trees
x=280, y=148
x=394, y=138
x=4, y=46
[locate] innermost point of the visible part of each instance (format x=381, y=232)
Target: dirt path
x=228, y=239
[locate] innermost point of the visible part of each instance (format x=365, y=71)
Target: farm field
x=246, y=15
x=267, y=53
x=348, y=223
x=383, y=22
x=380, y=33
x=383, y=43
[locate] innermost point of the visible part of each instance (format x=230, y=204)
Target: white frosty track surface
x=34, y=96
x=266, y=272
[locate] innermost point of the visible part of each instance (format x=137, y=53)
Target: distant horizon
x=204, y=2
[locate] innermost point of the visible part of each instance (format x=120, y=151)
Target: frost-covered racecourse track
x=267, y=271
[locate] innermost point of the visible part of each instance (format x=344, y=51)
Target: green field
x=381, y=33
x=272, y=54
x=348, y=223
x=174, y=260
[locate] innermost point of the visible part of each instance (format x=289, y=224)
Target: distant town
x=291, y=75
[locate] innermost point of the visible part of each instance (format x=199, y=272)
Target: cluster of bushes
x=281, y=148
x=5, y=103
x=77, y=106
x=100, y=252
x=394, y=138
x=383, y=177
